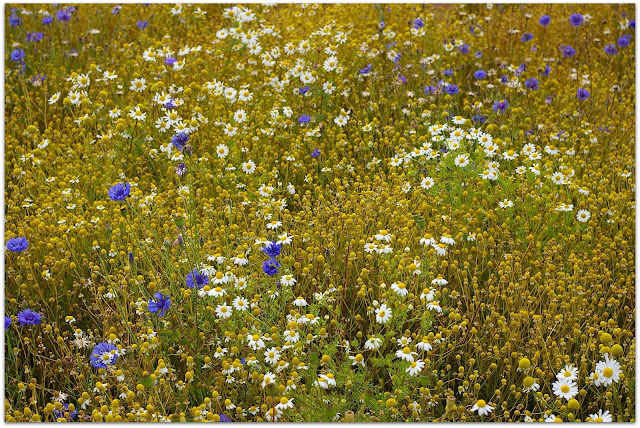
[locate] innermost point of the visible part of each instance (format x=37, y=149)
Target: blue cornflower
x=142, y=24
x=480, y=74
x=304, y=119
x=478, y=118
x=430, y=90
x=576, y=19
x=65, y=408
x=170, y=61
x=624, y=40
x=402, y=79
x=160, y=305
x=116, y=10
x=272, y=249
x=500, y=106
x=15, y=21
x=478, y=54
x=47, y=20
x=17, y=245
x=104, y=355
x=7, y=322
x=418, y=23
x=315, y=153
x=119, y=192
x=63, y=15
x=34, y=37
x=224, y=418
x=546, y=71
x=526, y=37
x=17, y=55
x=381, y=25
x=303, y=90
x=271, y=266
x=29, y=317
x=447, y=72
x=464, y=48
x=195, y=279
x=545, y=20
x=532, y=84
x=568, y=51
x=611, y=49
x=583, y=94
x=452, y=89
x=179, y=140
x=366, y=70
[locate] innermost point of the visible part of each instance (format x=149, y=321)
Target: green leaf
x=147, y=382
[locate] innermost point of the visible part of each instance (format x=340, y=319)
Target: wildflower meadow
x=319, y=212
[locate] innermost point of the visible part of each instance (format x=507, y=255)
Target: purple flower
x=532, y=84
x=119, y=192
x=381, y=25
x=478, y=118
x=447, y=72
x=611, y=49
x=17, y=55
x=526, y=37
x=224, y=418
x=29, y=317
x=315, y=153
x=418, y=23
x=303, y=90
x=47, y=20
x=500, y=106
x=169, y=60
x=63, y=15
x=452, y=89
x=576, y=19
x=142, y=24
x=272, y=249
x=568, y=51
x=480, y=74
x=624, y=40
x=116, y=10
x=17, y=245
x=544, y=20
x=160, y=305
x=104, y=355
x=583, y=94
x=271, y=266
x=181, y=169
x=7, y=322
x=464, y=48
x=304, y=119
x=195, y=279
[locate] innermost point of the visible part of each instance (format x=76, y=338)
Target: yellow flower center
x=481, y=403
x=608, y=372
x=564, y=388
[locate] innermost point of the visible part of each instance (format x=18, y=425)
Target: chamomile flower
x=482, y=408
